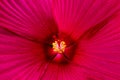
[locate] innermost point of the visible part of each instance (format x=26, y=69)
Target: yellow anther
x=59, y=46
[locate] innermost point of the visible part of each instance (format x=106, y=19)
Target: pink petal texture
x=29, y=19
x=75, y=17
x=90, y=29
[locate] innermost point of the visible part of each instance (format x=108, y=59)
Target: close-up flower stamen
x=59, y=46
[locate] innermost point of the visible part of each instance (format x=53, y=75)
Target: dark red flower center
x=59, y=48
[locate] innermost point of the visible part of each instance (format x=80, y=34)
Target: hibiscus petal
x=29, y=19
x=100, y=55
x=75, y=17
x=18, y=57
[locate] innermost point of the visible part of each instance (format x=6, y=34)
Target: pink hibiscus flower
x=60, y=40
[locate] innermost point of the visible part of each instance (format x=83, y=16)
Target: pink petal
x=100, y=55
x=76, y=16
x=29, y=19
x=18, y=57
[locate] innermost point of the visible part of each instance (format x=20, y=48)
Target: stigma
x=59, y=46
